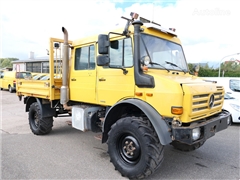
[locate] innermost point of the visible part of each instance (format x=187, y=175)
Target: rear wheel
x=39, y=125
x=134, y=148
x=185, y=147
x=10, y=89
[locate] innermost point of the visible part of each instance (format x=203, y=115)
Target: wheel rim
x=35, y=120
x=130, y=149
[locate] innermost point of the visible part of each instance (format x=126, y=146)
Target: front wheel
x=134, y=148
x=38, y=124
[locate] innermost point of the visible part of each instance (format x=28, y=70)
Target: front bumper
x=208, y=128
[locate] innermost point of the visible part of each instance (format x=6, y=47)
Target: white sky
x=209, y=30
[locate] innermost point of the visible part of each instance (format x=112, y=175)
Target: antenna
x=153, y=12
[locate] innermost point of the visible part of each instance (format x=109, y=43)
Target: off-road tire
x=185, y=147
x=129, y=133
x=39, y=125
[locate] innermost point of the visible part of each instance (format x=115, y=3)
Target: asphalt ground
x=67, y=153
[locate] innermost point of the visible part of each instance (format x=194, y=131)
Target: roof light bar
x=165, y=30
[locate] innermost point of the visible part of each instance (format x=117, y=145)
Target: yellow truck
x=132, y=85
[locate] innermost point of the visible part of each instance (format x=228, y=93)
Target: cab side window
x=121, y=54
x=1, y=74
x=85, y=58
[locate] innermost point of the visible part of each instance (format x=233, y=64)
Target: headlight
x=145, y=60
x=235, y=106
x=196, y=134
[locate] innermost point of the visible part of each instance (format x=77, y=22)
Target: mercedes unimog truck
x=132, y=85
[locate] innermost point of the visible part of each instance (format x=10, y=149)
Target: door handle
x=102, y=79
x=73, y=79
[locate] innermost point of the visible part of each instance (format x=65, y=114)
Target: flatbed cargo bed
x=39, y=88
x=48, y=88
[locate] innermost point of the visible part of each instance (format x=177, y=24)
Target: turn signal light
x=138, y=93
x=145, y=68
x=149, y=94
x=176, y=110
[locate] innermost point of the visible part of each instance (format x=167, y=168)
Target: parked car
x=232, y=105
x=38, y=76
x=47, y=77
x=231, y=84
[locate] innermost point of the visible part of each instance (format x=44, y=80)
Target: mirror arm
x=124, y=71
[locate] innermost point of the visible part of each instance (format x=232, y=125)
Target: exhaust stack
x=64, y=96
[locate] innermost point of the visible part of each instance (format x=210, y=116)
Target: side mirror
x=103, y=60
x=103, y=44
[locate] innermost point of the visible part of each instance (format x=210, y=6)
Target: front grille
x=201, y=104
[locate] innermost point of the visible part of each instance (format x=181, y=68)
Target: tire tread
x=155, y=149
x=45, y=124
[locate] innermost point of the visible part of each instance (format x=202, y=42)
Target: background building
x=33, y=65
x=36, y=65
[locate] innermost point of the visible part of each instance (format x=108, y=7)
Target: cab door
x=113, y=84
x=83, y=74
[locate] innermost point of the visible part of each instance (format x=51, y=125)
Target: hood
x=178, y=77
x=200, y=98
x=186, y=79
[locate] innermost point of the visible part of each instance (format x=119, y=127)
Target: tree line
x=229, y=69
x=7, y=62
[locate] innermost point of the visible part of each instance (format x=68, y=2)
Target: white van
x=231, y=84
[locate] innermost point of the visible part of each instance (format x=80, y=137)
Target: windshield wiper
x=229, y=98
x=159, y=65
x=237, y=90
x=175, y=66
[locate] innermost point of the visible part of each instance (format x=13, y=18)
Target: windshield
x=162, y=52
x=235, y=85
